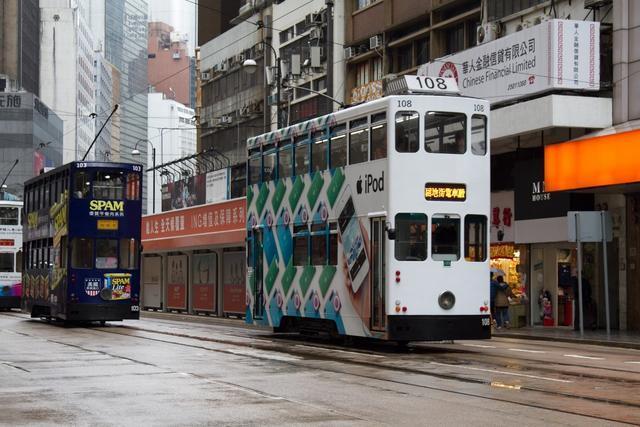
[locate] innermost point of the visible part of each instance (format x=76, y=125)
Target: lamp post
x=251, y=66
x=136, y=152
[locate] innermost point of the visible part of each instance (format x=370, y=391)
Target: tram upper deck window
x=301, y=152
x=378, y=136
x=475, y=238
x=8, y=216
x=285, y=162
x=445, y=132
x=411, y=237
x=338, y=146
x=407, y=129
x=255, y=169
x=81, y=185
x=358, y=141
x=133, y=186
x=109, y=185
x=319, y=146
x=479, y=134
x=269, y=166
x=445, y=237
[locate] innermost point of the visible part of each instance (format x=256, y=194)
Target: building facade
x=170, y=69
x=31, y=133
x=67, y=57
x=172, y=132
x=20, y=44
x=106, y=148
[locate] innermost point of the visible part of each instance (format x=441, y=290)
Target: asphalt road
x=180, y=370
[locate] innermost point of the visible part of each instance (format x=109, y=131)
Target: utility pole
x=329, y=13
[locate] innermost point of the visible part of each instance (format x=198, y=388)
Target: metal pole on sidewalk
x=606, y=270
x=580, y=311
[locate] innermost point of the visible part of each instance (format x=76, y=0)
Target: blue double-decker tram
x=81, y=234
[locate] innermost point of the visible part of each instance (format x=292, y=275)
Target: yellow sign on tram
x=107, y=224
x=434, y=191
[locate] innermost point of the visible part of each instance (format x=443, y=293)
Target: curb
x=585, y=341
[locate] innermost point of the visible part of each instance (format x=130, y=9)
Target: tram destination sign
x=422, y=84
x=445, y=192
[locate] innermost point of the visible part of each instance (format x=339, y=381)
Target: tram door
x=378, y=272
x=256, y=263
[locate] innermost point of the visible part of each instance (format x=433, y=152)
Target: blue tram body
x=82, y=242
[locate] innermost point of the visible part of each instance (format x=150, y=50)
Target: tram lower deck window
x=445, y=237
x=81, y=253
x=6, y=262
x=411, y=237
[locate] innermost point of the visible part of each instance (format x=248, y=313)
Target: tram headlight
x=447, y=300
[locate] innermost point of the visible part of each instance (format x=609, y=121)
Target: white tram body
x=373, y=220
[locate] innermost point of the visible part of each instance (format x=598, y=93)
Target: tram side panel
x=337, y=290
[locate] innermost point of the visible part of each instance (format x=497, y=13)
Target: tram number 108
x=431, y=83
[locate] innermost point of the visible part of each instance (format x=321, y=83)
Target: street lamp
x=251, y=66
x=136, y=152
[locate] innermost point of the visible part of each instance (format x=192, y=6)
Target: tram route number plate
x=107, y=224
x=486, y=321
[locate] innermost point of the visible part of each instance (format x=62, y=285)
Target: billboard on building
x=217, y=182
x=184, y=193
x=557, y=54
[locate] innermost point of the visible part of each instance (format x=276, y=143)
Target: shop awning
x=604, y=158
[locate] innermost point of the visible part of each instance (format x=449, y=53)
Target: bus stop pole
x=606, y=270
x=579, y=274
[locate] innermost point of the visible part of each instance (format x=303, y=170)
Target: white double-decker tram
x=373, y=221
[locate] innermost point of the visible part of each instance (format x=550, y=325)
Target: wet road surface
x=181, y=370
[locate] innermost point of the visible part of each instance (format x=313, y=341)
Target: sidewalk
x=623, y=339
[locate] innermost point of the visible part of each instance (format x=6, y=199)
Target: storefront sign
x=502, y=217
x=217, y=182
x=224, y=216
x=558, y=54
x=233, y=297
x=204, y=275
x=367, y=92
x=445, y=192
x=593, y=162
x=531, y=199
x=177, y=282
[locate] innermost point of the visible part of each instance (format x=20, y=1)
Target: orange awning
x=593, y=162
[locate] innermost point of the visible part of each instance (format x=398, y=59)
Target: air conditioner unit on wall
x=488, y=32
x=350, y=52
x=204, y=76
x=226, y=119
x=315, y=34
x=375, y=42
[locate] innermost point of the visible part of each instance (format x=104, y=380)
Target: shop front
x=193, y=259
x=547, y=261
x=506, y=256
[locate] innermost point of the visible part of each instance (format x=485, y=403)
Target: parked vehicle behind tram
x=373, y=221
x=10, y=254
x=82, y=242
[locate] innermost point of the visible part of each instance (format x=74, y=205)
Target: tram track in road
x=488, y=382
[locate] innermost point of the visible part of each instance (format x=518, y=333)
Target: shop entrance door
x=378, y=270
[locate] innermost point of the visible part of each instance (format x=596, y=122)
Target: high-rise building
x=214, y=17
x=20, y=44
x=105, y=148
x=66, y=78
x=170, y=66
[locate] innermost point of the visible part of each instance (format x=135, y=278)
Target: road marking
x=579, y=356
x=479, y=345
x=492, y=371
x=335, y=350
x=634, y=362
x=264, y=355
x=527, y=351
x=502, y=385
